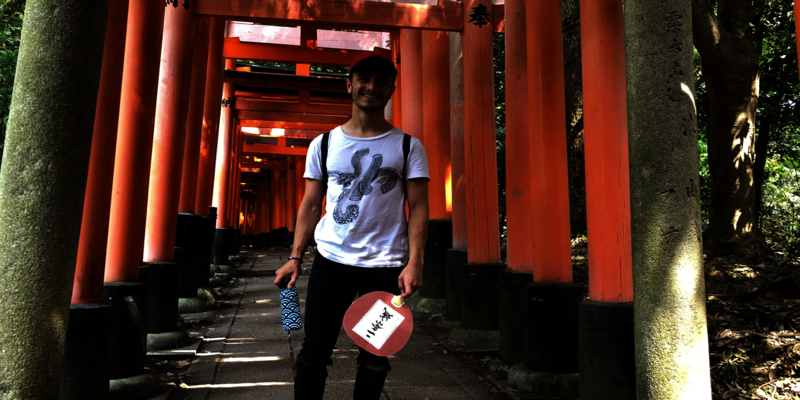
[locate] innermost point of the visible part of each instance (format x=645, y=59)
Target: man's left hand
x=410, y=279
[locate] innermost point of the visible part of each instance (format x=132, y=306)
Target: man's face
x=371, y=88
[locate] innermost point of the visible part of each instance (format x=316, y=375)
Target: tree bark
x=730, y=64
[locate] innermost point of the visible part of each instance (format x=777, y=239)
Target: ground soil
x=753, y=309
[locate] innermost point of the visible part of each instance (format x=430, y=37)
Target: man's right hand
x=291, y=269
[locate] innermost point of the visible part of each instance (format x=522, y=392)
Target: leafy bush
x=10, y=30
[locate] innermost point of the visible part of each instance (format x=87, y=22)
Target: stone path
x=247, y=355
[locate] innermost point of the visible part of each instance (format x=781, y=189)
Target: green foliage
x=774, y=35
x=499, y=51
x=10, y=30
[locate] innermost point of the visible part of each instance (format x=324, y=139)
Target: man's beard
x=369, y=109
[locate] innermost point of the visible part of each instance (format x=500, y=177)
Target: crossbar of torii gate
x=367, y=15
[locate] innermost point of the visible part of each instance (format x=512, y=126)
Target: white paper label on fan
x=378, y=324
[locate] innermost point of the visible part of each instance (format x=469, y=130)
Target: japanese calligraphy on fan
x=378, y=324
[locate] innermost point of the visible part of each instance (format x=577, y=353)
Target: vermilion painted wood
x=303, y=69
x=606, y=143
x=287, y=54
x=134, y=141
x=308, y=118
x=275, y=199
x=308, y=37
x=281, y=81
x=291, y=193
x=250, y=104
x=211, y=110
x=459, y=213
x=552, y=261
x=518, y=178
x=236, y=176
x=350, y=14
x=283, y=197
x=445, y=16
x=436, y=117
x=267, y=207
x=169, y=135
x=397, y=97
x=797, y=27
x=222, y=178
x=480, y=160
x=399, y=337
x=90, y=265
x=288, y=125
x=300, y=165
x=194, y=122
x=411, y=70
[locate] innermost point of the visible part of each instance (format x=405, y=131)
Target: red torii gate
x=547, y=252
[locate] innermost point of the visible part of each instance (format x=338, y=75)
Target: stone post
x=667, y=249
x=42, y=187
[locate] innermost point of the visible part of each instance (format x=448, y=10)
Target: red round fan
x=377, y=324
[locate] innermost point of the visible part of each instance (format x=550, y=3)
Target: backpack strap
x=406, y=150
x=324, y=162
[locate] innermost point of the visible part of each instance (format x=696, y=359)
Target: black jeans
x=332, y=287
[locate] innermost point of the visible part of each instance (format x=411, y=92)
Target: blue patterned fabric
x=290, y=310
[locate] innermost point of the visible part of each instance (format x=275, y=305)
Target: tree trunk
x=573, y=87
x=762, y=142
x=730, y=64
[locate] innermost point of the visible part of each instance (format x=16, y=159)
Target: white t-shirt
x=365, y=223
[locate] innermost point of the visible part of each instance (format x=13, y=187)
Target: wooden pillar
x=134, y=141
x=194, y=122
x=436, y=119
x=275, y=199
x=283, y=189
x=300, y=166
x=268, y=191
x=480, y=159
x=551, y=256
x=411, y=70
x=211, y=112
x=169, y=136
x=291, y=192
x=397, y=98
x=459, y=211
x=90, y=266
x=606, y=142
x=222, y=176
x=518, y=175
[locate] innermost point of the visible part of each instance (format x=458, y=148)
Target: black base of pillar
x=480, y=289
x=84, y=374
x=222, y=245
x=512, y=314
x=455, y=260
x=128, y=328
x=551, y=327
x=606, y=351
x=289, y=239
x=206, y=251
x=434, y=275
x=162, y=296
x=236, y=242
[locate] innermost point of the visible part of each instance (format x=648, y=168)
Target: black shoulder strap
x=406, y=150
x=324, y=155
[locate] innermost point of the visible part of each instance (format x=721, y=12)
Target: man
x=364, y=239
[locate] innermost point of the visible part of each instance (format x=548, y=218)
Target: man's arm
x=307, y=219
x=417, y=194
